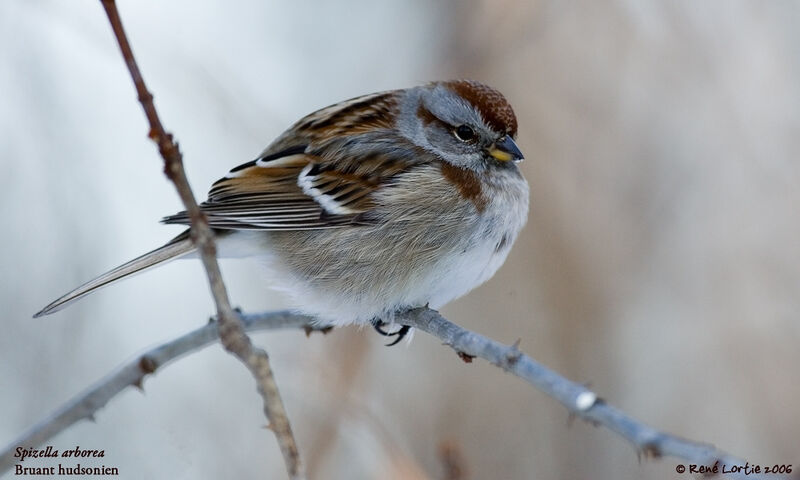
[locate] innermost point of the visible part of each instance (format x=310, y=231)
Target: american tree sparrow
x=370, y=206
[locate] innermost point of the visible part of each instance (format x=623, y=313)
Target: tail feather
x=177, y=247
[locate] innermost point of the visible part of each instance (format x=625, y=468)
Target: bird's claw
x=400, y=333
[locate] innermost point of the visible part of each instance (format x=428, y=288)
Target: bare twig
x=579, y=400
x=87, y=403
x=231, y=333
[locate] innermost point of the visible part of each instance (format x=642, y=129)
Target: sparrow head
x=467, y=123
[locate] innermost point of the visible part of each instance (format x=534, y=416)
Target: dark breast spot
x=467, y=182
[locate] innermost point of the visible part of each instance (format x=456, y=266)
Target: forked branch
x=231, y=332
x=579, y=401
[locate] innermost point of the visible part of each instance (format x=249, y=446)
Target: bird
x=369, y=207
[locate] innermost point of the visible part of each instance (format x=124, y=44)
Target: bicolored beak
x=506, y=150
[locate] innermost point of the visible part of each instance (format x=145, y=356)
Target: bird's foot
x=400, y=333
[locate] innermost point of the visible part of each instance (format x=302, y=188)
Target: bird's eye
x=465, y=133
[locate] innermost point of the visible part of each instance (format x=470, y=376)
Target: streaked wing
x=356, y=116
x=292, y=191
x=264, y=195
x=322, y=180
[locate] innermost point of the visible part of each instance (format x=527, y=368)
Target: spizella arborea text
x=385, y=202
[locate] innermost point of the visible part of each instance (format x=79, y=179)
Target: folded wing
x=288, y=190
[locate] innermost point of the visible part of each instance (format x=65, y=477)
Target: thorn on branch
x=147, y=364
x=310, y=329
x=649, y=451
x=465, y=357
x=512, y=355
x=573, y=414
x=139, y=383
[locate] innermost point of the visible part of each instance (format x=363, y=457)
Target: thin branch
x=578, y=400
x=90, y=401
x=231, y=332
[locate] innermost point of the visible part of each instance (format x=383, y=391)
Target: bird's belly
x=458, y=274
x=358, y=286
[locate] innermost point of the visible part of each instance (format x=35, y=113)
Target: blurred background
x=660, y=263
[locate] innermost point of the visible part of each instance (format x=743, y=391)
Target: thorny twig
x=580, y=401
x=133, y=373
